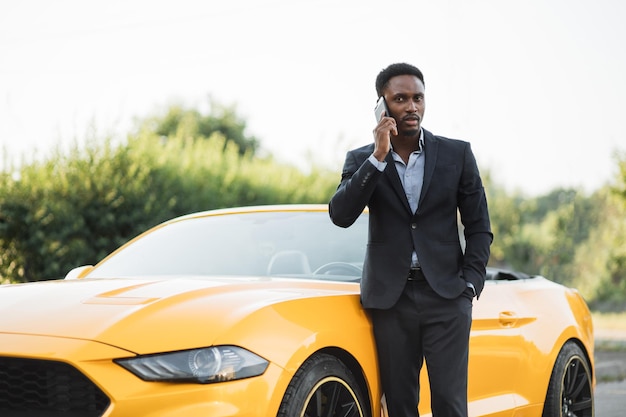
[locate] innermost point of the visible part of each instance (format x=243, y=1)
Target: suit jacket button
x=413, y=226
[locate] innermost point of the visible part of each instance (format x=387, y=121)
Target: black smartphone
x=381, y=106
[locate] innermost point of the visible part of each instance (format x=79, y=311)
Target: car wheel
x=323, y=386
x=570, y=389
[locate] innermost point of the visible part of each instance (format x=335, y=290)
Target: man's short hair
x=393, y=70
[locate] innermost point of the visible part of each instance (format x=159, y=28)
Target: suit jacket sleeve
x=474, y=213
x=358, y=182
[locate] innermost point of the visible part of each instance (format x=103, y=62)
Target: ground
x=610, y=355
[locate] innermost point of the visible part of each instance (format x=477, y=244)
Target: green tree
x=567, y=236
x=180, y=121
x=619, y=188
x=599, y=261
x=505, y=215
x=611, y=246
x=570, y=221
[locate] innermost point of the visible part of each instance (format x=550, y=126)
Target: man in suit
x=418, y=283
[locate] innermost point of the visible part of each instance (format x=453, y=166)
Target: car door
x=499, y=349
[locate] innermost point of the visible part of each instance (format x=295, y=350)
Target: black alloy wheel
x=323, y=386
x=570, y=392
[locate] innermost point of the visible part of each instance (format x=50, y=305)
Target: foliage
x=505, y=213
x=567, y=236
x=620, y=184
x=74, y=209
x=610, y=246
x=183, y=122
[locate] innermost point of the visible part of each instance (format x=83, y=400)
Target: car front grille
x=38, y=388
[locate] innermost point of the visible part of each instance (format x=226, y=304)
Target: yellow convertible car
x=255, y=312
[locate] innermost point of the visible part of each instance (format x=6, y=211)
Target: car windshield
x=289, y=243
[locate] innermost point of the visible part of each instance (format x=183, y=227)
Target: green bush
x=74, y=208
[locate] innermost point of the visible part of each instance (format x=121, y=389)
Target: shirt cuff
x=469, y=284
x=380, y=165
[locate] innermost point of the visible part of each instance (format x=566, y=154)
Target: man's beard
x=410, y=132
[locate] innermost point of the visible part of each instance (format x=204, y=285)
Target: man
x=418, y=284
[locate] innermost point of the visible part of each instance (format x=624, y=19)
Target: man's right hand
x=382, y=136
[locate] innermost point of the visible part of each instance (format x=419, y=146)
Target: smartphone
x=381, y=106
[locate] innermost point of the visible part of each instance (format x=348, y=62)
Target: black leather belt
x=416, y=274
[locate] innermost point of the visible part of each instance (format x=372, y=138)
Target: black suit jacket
x=451, y=181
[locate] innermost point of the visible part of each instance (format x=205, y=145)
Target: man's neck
x=404, y=145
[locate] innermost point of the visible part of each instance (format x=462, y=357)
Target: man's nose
x=412, y=106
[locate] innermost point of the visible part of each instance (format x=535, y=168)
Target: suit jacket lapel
x=431, y=147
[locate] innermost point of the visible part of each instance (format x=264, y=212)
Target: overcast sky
x=537, y=86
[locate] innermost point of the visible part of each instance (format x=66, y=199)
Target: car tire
x=570, y=391
x=323, y=386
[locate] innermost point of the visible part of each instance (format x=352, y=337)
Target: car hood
x=142, y=315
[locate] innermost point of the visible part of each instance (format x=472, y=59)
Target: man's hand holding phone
x=384, y=129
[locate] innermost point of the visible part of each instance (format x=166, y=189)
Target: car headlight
x=204, y=365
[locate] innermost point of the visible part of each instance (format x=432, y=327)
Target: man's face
x=405, y=99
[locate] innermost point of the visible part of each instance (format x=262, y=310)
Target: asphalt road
x=610, y=399
x=610, y=393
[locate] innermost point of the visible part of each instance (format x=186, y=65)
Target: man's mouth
x=413, y=119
